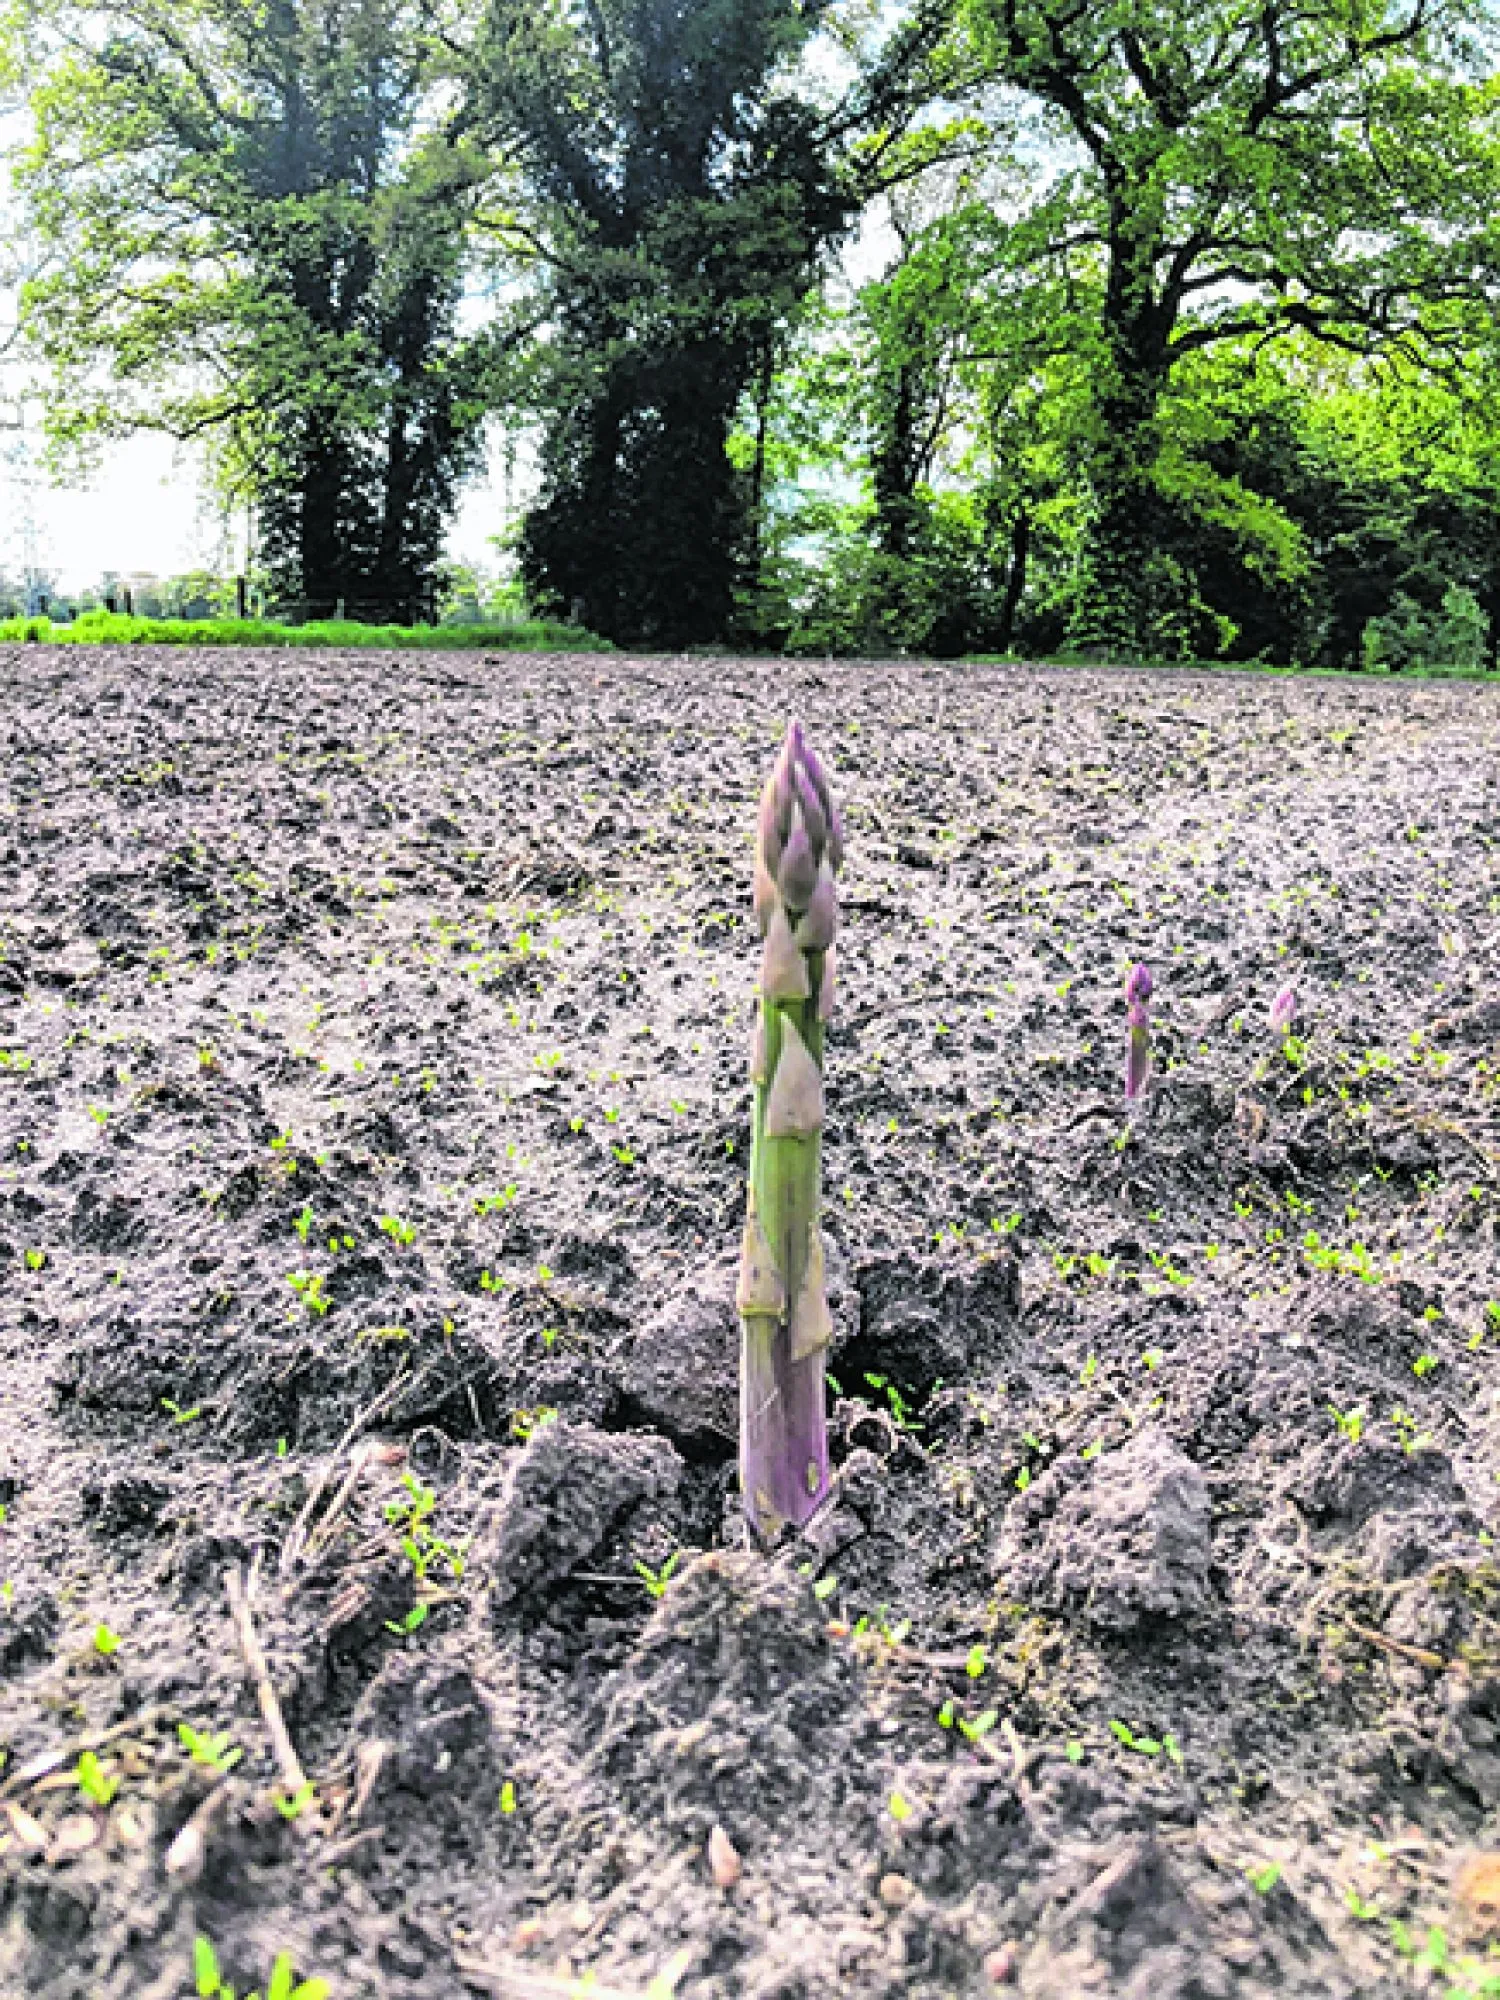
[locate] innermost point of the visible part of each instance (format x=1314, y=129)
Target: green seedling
x=492, y=1204
x=894, y=1635
x=93, y=1780
x=900, y=1408
x=525, y=1424
x=1350, y=1422
x=308, y=1285
x=1147, y=1746
x=656, y=1580
x=178, y=1414
x=209, y=1983
x=421, y=1547
x=396, y=1228
x=106, y=1643
x=212, y=1749
x=404, y=1626
x=1413, y=1437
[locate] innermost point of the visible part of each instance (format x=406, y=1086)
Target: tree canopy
x=1183, y=344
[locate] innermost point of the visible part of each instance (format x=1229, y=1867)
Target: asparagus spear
x=1138, y=1039
x=1283, y=1010
x=781, y=1299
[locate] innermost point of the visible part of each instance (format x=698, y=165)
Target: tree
x=682, y=191
x=1240, y=170
x=256, y=230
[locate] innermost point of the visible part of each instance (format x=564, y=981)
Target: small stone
x=28, y=1831
x=895, y=1891
x=75, y=1835
x=723, y=1858
x=1477, y=1891
x=1000, y=1964
x=527, y=1934
x=185, y=1857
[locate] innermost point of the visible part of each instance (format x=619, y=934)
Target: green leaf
x=205, y=1968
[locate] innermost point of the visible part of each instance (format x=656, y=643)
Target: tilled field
x=373, y=1118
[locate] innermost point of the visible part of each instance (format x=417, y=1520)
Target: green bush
x=1449, y=635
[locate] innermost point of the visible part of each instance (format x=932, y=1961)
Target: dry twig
x=293, y=1777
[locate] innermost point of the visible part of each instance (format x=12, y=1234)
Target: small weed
x=308, y=1285
x=492, y=1204
x=93, y=1781
x=209, y=1748
x=525, y=1424
x=1147, y=1746
x=656, y=1580
x=209, y=1984
x=900, y=1409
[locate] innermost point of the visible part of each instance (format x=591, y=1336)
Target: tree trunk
x=1119, y=608
x=1117, y=611
x=1015, y=579
x=894, y=468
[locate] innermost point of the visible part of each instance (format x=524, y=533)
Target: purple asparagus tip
x=1283, y=1010
x=1138, y=987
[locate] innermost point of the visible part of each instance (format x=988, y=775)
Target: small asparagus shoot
x=783, y=1308
x=1138, y=1037
x=1283, y=1010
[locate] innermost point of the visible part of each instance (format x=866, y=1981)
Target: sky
x=145, y=511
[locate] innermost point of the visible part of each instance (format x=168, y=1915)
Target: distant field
x=111, y=628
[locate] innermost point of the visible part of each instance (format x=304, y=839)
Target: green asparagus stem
x=781, y=1298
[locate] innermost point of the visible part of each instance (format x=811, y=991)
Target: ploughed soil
x=373, y=1116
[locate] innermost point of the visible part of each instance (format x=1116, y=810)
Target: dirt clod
x=1120, y=1540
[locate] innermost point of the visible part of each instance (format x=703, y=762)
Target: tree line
x=1184, y=344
